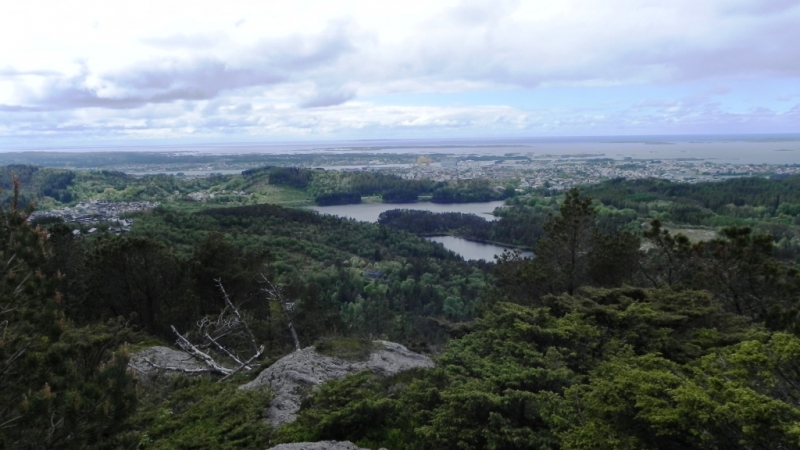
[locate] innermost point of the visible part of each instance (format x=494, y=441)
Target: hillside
x=616, y=335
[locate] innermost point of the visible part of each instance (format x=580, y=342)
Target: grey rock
x=296, y=374
x=322, y=445
x=181, y=362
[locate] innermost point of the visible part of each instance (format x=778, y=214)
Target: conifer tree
x=570, y=243
x=60, y=386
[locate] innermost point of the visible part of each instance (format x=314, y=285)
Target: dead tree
x=229, y=326
x=274, y=294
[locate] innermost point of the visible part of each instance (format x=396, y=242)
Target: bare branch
x=191, y=349
x=8, y=422
x=245, y=365
x=274, y=295
x=229, y=322
x=237, y=314
x=175, y=369
x=225, y=350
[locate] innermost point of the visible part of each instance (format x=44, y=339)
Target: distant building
x=449, y=162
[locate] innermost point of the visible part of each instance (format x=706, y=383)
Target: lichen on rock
x=164, y=360
x=295, y=374
x=322, y=445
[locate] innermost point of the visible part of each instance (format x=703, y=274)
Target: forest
x=623, y=332
x=52, y=188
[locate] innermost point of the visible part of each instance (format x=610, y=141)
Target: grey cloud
x=618, y=52
x=476, y=44
x=300, y=53
x=267, y=63
x=17, y=108
x=11, y=72
x=76, y=96
x=719, y=90
x=196, y=80
x=759, y=6
x=328, y=98
x=767, y=50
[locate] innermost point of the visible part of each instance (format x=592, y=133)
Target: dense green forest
x=514, y=229
x=768, y=206
x=622, y=332
x=336, y=187
x=51, y=188
x=597, y=344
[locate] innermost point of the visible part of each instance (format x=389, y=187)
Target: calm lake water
x=472, y=250
x=369, y=212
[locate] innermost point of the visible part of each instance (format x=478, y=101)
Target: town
x=563, y=173
x=93, y=212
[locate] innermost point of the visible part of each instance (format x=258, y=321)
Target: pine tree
x=60, y=386
x=569, y=246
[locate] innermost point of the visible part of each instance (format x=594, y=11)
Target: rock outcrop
x=177, y=361
x=294, y=374
x=322, y=445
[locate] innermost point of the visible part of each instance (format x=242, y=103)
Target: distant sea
x=743, y=149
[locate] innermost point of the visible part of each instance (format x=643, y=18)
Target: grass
x=282, y=195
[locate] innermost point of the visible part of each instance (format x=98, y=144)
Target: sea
x=734, y=149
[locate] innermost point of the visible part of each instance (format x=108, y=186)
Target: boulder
x=294, y=375
x=322, y=445
x=173, y=361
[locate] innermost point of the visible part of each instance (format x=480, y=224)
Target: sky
x=109, y=71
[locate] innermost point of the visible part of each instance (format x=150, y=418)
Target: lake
x=471, y=249
x=369, y=212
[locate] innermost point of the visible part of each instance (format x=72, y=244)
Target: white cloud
x=273, y=68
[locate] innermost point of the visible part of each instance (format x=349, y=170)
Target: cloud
x=10, y=72
x=186, y=41
x=325, y=78
x=328, y=98
x=16, y=108
x=476, y=42
x=482, y=12
x=646, y=44
x=221, y=119
x=266, y=63
x=617, y=42
x=759, y=7
x=761, y=49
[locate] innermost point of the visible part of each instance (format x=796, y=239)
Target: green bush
x=202, y=413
